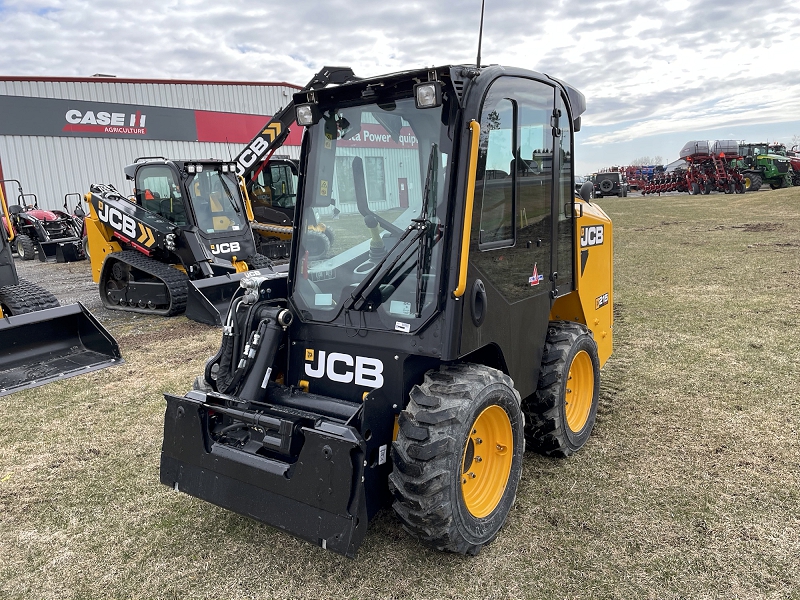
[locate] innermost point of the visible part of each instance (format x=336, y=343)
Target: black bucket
x=48, y=345
x=209, y=299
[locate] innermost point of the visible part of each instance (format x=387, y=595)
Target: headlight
x=428, y=95
x=224, y=168
x=190, y=168
x=304, y=113
x=199, y=168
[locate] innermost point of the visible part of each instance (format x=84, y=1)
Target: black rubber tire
x=26, y=249
x=606, y=185
x=85, y=242
x=431, y=445
x=694, y=189
x=329, y=234
x=547, y=431
x=317, y=244
x=755, y=183
x=258, y=261
x=25, y=297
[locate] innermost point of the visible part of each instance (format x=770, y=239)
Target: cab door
x=521, y=226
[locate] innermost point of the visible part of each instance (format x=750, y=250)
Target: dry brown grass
x=689, y=487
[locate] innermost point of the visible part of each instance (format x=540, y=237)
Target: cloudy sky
x=655, y=74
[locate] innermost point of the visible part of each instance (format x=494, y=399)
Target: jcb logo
x=117, y=219
x=591, y=236
x=225, y=248
x=344, y=368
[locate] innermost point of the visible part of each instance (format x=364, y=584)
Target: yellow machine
x=465, y=310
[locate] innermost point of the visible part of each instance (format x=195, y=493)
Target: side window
x=565, y=203
x=158, y=192
x=514, y=186
x=494, y=178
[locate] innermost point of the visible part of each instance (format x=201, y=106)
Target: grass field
x=689, y=487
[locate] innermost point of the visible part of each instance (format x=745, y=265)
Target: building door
x=402, y=191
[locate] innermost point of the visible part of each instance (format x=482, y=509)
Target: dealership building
x=59, y=135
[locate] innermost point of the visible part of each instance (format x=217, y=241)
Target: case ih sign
x=20, y=115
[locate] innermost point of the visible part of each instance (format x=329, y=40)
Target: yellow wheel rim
x=580, y=391
x=486, y=464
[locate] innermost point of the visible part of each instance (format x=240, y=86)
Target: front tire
x=458, y=457
x=562, y=411
x=26, y=249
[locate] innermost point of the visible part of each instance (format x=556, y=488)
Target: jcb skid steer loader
x=465, y=309
x=180, y=244
x=41, y=341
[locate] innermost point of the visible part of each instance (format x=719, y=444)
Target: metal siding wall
x=249, y=99
x=392, y=173
x=51, y=167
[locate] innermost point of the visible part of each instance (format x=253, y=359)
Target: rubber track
x=258, y=261
x=26, y=297
x=177, y=283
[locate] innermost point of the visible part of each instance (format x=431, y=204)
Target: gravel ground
x=70, y=283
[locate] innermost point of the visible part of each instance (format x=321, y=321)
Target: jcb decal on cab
x=344, y=368
x=591, y=236
x=225, y=248
x=116, y=219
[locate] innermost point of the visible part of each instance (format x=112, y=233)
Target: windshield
x=215, y=199
x=371, y=235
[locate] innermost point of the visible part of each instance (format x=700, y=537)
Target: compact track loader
x=40, y=340
x=179, y=244
x=465, y=309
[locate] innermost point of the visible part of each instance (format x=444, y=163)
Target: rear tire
x=85, y=243
x=458, y=457
x=755, y=183
x=317, y=244
x=26, y=249
x=562, y=411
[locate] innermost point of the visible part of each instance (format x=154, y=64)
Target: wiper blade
x=429, y=201
x=230, y=196
x=421, y=229
x=369, y=284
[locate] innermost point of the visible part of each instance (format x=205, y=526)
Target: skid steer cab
x=465, y=308
x=180, y=243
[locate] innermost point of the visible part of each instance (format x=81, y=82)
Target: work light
x=305, y=114
x=428, y=95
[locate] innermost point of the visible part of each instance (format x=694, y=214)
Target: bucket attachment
x=209, y=299
x=47, y=345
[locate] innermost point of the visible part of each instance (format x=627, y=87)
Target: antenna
x=480, y=36
x=230, y=154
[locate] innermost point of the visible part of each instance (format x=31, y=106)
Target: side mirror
x=78, y=212
x=587, y=191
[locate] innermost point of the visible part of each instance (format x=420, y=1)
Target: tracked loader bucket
x=47, y=345
x=209, y=299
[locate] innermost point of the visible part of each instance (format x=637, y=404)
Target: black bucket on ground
x=48, y=345
x=209, y=299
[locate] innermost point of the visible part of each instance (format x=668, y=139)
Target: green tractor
x=759, y=166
